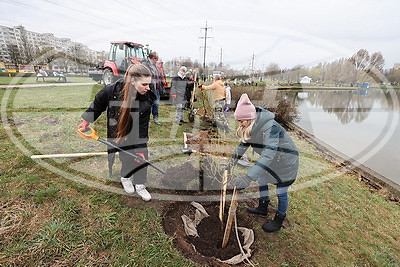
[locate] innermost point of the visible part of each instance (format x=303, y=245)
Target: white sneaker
x=128, y=186
x=142, y=192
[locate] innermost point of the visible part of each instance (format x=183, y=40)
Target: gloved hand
x=140, y=157
x=201, y=87
x=241, y=182
x=173, y=96
x=84, y=125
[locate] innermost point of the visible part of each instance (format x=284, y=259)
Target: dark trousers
x=281, y=193
x=131, y=167
x=154, y=108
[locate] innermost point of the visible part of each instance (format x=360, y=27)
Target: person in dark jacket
x=128, y=103
x=157, y=85
x=180, y=85
x=278, y=162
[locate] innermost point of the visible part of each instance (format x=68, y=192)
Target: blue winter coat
x=279, y=157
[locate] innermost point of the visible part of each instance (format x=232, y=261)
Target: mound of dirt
x=208, y=244
x=183, y=177
x=186, y=177
x=211, y=234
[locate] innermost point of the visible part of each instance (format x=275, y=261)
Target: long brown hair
x=135, y=72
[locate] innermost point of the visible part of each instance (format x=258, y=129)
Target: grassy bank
x=47, y=219
x=32, y=80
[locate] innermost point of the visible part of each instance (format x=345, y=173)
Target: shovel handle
x=92, y=135
x=87, y=134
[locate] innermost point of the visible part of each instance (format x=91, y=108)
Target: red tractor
x=122, y=54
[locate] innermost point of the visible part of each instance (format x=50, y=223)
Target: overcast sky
x=280, y=31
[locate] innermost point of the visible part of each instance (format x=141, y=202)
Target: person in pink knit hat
x=278, y=162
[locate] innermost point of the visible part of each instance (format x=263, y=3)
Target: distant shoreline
x=329, y=88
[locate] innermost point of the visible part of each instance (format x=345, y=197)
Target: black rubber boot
x=274, y=225
x=262, y=208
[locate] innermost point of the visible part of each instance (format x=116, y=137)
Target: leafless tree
x=15, y=55
x=272, y=70
x=46, y=55
x=393, y=75
x=375, y=67
x=360, y=60
x=78, y=56
x=28, y=50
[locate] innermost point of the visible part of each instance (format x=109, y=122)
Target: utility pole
x=220, y=58
x=252, y=65
x=205, y=44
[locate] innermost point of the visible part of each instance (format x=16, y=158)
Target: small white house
x=305, y=79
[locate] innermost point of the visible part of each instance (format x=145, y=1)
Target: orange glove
x=84, y=125
x=140, y=155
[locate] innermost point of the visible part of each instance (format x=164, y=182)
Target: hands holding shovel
x=84, y=125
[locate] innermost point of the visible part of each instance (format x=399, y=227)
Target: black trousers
x=132, y=167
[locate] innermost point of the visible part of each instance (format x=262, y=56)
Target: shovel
x=92, y=135
x=192, y=110
x=185, y=149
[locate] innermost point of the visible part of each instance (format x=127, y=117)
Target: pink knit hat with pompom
x=245, y=110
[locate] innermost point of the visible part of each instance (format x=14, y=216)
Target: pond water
x=362, y=124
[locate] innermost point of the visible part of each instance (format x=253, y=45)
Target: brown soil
x=181, y=177
x=50, y=120
x=208, y=245
x=186, y=177
x=210, y=239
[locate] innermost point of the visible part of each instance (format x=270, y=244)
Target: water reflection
x=363, y=125
x=350, y=105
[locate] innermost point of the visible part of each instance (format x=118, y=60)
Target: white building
x=12, y=35
x=305, y=79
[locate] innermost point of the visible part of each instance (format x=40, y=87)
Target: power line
x=153, y=16
x=102, y=19
x=53, y=13
x=63, y=15
x=171, y=10
x=67, y=35
x=88, y=14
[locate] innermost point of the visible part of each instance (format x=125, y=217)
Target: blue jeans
x=154, y=108
x=281, y=192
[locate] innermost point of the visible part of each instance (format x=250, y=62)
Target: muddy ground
x=208, y=244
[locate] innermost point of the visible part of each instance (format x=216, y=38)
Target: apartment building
x=15, y=34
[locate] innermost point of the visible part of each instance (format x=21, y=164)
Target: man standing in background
x=180, y=86
x=156, y=85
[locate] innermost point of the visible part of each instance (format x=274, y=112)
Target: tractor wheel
x=108, y=77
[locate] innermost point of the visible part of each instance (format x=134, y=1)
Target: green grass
x=334, y=221
x=32, y=80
